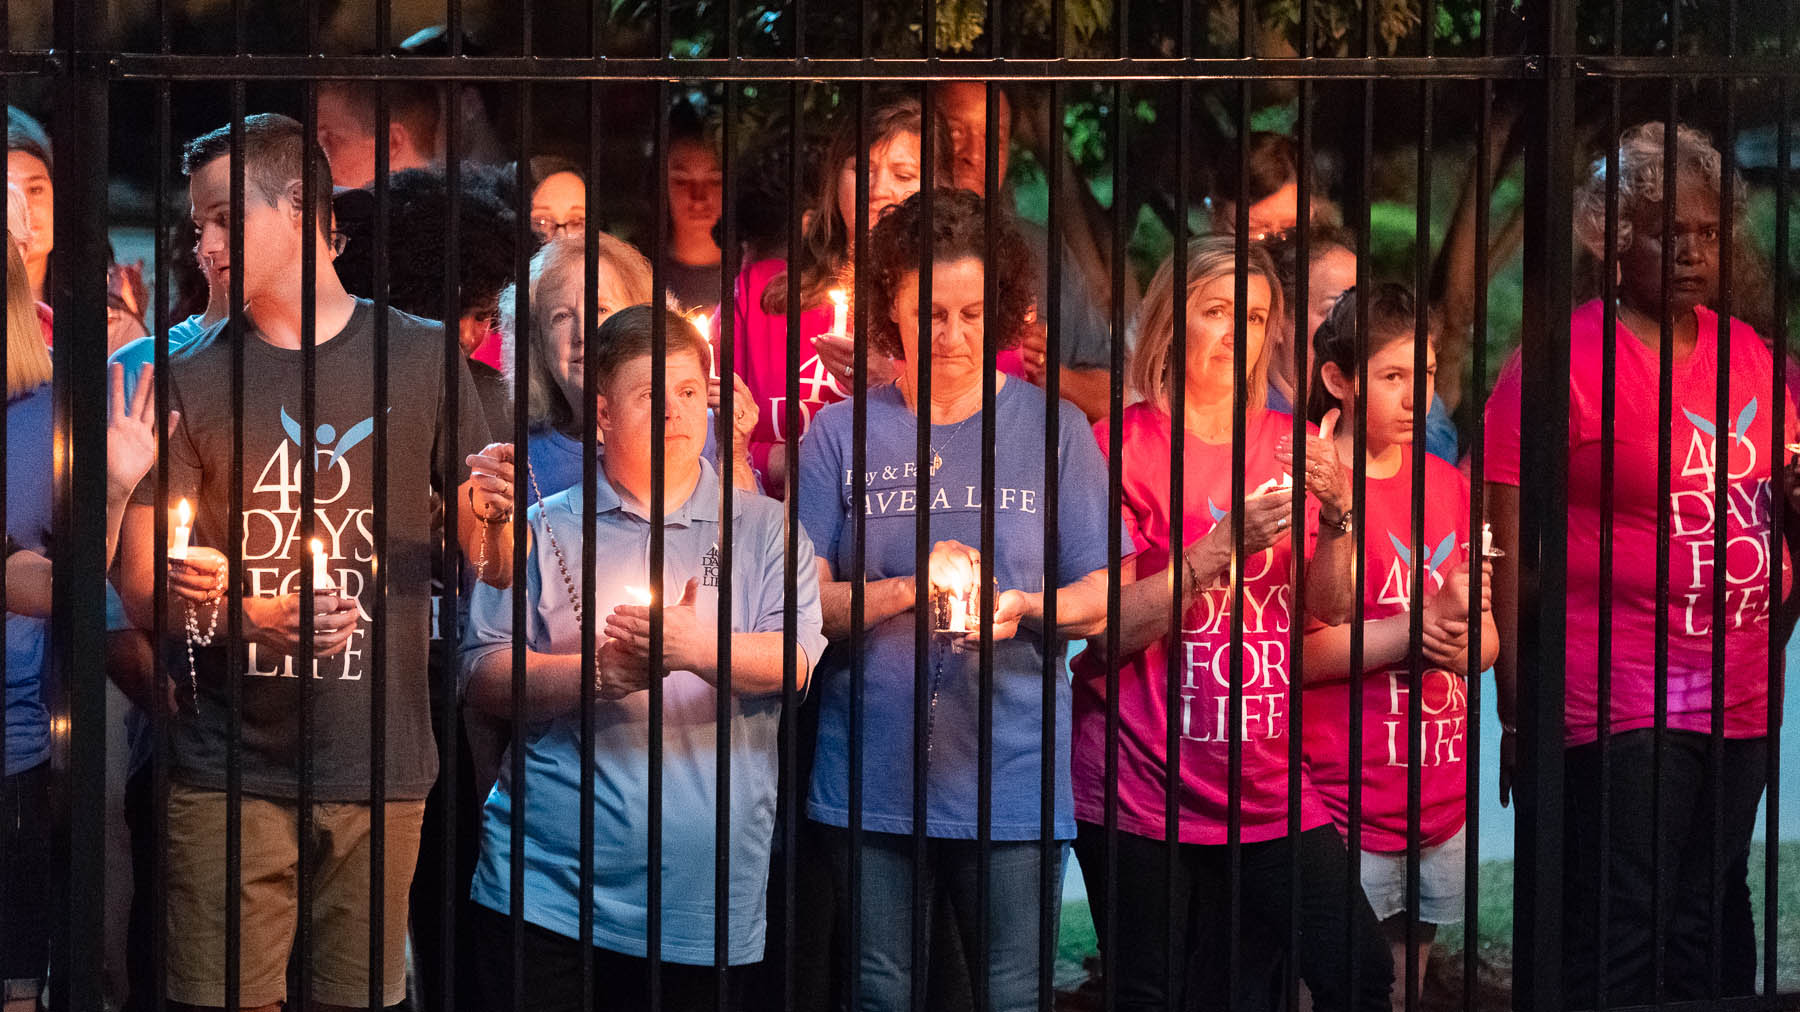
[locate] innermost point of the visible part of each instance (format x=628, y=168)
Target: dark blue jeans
x=1015, y=916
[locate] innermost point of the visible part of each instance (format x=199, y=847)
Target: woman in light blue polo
x=961, y=253
x=551, y=848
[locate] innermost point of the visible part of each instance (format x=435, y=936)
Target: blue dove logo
x=1745, y=419
x=327, y=435
x=1437, y=557
x=1217, y=513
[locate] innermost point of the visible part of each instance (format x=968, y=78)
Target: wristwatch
x=1341, y=525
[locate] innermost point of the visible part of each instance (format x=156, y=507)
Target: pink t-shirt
x=760, y=343
x=1444, y=701
x=1206, y=640
x=1691, y=563
x=760, y=357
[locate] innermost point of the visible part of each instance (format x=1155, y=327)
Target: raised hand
x=491, y=481
x=130, y=431
x=1325, y=477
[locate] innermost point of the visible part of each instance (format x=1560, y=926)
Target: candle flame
x=839, y=297
x=638, y=594
x=184, y=512
x=703, y=323
x=318, y=547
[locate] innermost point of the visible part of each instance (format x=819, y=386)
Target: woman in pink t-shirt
x=825, y=259
x=1203, y=877
x=1390, y=554
x=1655, y=792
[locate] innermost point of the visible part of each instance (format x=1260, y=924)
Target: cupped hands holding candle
x=687, y=643
x=955, y=570
x=837, y=347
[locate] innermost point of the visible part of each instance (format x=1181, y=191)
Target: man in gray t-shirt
x=355, y=656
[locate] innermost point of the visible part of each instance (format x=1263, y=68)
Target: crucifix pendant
x=937, y=462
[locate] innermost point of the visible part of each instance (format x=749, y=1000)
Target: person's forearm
x=1503, y=508
x=116, y=501
x=486, y=547
x=1088, y=389
x=882, y=600
x=28, y=585
x=1145, y=604
x=552, y=684
x=756, y=664
x=1385, y=643
x=743, y=474
x=1080, y=608
x=1330, y=594
x=137, y=567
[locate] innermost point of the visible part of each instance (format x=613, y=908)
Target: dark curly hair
x=959, y=232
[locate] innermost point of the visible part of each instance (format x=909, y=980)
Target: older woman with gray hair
x=554, y=381
x=1657, y=787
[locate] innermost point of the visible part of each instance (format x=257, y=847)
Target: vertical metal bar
x=449, y=548
x=1303, y=185
x=1715, y=758
x=1115, y=491
x=234, y=552
x=859, y=531
x=521, y=466
x=1549, y=168
x=1048, y=847
x=306, y=658
x=1359, y=484
x=79, y=566
x=1415, y=713
x=378, y=576
x=1176, y=906
x=790, y=815
x=727, y=542
x=1784, y=150
x=1477, y=388
x=1608, y=492
x=921, y=922
x=659, y=357
x=1665, y=408
x=984, y=718
x=1240, y=408
x=590, y=523
x=159, y=623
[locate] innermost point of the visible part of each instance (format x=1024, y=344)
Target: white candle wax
x=959, y=619
x=703, y=323
x=184, y=530
x=840, y=312
x=1487, y=539
x=321, y=580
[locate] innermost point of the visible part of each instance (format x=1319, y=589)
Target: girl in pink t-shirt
x=1659, y=787
x=825, y=262
x=1207, y=672
x=1390, y=555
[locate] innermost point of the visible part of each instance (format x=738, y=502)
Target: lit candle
x=1487, y=539
x=840, y=312
x=321, y=568
x=184, y=529
x=703, y=323
x=959, y=617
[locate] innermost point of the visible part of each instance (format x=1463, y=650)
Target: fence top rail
x=227, y=67
x=488, y=68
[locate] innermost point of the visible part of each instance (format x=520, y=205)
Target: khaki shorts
x=338, y=877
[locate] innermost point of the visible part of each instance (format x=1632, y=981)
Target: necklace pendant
x=937, y=462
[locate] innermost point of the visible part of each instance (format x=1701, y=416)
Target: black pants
x=459, y=819
x=26, y=874
x=553, y=974
x=1201, y=933
x=1683, y=820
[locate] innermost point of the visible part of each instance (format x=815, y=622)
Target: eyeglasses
x=550, y=228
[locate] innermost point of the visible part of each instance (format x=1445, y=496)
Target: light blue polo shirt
x=551, y=849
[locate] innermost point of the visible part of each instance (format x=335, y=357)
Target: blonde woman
x=554, y=380
x=1272, y=605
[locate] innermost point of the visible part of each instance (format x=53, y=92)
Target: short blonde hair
x=554, y=265
x=1153, y=332
x=27, y=360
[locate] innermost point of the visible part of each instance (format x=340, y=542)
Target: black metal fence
x=1568, y=73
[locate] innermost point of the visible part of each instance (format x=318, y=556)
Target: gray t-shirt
x=1086, y=329
x=200, y=451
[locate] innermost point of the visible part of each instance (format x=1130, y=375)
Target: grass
x=1077, y=957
